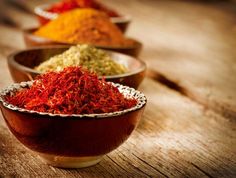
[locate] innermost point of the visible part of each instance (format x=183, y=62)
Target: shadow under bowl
x=122, y=22
x=71, y=141
x=32, y=40
x=21, y=65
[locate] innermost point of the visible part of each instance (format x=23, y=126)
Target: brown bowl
x=71, y=140
x=44, y=16
x=32, y=40
x=22, y=63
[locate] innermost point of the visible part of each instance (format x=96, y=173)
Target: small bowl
x=21, y=65
x=71, y=141
x=44, y=16
x=32, y=40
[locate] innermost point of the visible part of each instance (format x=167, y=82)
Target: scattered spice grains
x=93, y=59
x=71, y=91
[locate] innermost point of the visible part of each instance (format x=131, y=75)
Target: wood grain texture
x=191, y=44
x=177, y=137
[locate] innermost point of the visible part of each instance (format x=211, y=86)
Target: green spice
x=94, y=60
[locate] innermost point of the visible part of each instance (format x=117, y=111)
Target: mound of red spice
x=71, y=91
x=67, y=5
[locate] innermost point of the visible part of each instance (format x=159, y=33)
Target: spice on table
x=66, y=5
x=84, y=26
x=93, y=59
x=71, y=91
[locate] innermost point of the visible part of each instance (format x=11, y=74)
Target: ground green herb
x=94, y=60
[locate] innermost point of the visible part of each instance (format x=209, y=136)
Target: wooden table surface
x=189, y=126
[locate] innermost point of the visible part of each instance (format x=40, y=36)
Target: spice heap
x=94, y=60
x=71, y=91
x=66, y=5
x=84, y=26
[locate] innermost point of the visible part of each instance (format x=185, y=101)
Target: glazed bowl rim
x=40, y=11
x=139, y=96
x=11, y=59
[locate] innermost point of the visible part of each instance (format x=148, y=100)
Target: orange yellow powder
x=83, y=26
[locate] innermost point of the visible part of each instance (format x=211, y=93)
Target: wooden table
x=189, y=125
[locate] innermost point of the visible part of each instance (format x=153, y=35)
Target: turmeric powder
x=83, y=26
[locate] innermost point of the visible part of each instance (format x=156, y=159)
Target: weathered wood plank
x=191, y=44
x=176, y=137
x=11, y=39
x=19, y=17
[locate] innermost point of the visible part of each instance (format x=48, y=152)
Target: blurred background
x=184, y=22
x=186, y=35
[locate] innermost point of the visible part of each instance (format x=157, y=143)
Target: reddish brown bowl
x=71, y=140
x=32, y=40
x=22, y=63
x=44, y=16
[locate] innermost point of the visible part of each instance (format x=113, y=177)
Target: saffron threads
x=71, y=91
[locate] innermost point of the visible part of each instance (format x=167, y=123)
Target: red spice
x=72, y=91
x=66, y=5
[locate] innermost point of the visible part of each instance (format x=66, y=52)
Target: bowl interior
x=27, y=60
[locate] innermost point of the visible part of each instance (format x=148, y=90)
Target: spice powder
x=91, y=58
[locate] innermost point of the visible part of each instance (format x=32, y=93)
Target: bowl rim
x=28, y=33
x=12, y=61
x=139, y=96
x=40, y=11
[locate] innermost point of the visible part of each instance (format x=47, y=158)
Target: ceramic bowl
x=21, y=65
x=44, y=16
x=71, y=141
x=32, y=40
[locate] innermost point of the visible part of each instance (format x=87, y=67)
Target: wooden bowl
x=44, y=16
x=71, y=141
x=32, y=40
x=22, y=63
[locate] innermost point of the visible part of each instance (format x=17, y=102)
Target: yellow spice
x=83, y=26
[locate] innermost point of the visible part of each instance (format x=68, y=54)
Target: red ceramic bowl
x=71, y=141
x=44, y=16
x=22, y=63
x=32, y=40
